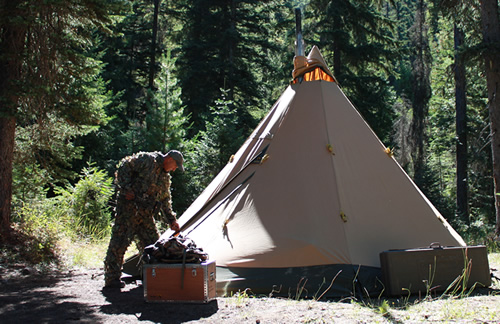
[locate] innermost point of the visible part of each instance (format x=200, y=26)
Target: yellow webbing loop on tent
x=329, y=147
x=264, y=158
x=343, y=216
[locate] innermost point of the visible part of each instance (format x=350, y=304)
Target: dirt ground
x=76, y=296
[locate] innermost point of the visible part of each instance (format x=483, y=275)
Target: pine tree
x=225, y=45
x=45, y=71
x=421, y=89
x=135, y=58
x=128, y=58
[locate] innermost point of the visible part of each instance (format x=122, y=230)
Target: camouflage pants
x=131, y=222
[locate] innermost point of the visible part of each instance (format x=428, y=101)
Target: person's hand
x=175, y=227
x=130, y=195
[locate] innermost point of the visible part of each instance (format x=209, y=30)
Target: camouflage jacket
x=143, y=174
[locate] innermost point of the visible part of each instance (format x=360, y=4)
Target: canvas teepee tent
x=312, y=195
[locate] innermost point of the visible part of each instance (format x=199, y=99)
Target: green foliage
x=225, y=44
x=127, y=54
x=85, y=206
x=383, y=308
x=86, y=96
x=207, y=153
x=141, y=118
x=79, y=213
x=166, y=124
x=442, y=143
x=40, y=233
x=61, y=97
x=479, y=232
x=44, y=156
x=221, y=139
x=59, y=66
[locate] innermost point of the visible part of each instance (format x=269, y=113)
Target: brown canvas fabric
x=326, y=192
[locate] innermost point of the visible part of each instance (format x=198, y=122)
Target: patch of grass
x=476, y=309
x=383, y=308
x=472, y=309
x=240, y=298
x=456, y=304
x=84, y=253
x=46, y=247
x=89, y=253
x=300, y=288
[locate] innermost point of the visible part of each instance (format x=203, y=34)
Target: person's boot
x=113, y=283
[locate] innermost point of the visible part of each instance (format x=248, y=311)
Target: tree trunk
x=337, y=44
x=337, y=63
x=421, y=91
x=13, y=33
x=7, y=132
x=491, y=40
x=152, y=67
x=232, y=47
x=461, y=128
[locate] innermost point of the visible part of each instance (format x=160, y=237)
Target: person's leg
x=120, y=240
x=146, y=232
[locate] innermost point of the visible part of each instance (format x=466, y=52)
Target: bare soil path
x=77, y=296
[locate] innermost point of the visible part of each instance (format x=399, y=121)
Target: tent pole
x=299, y=43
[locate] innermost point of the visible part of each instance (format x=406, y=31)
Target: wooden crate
x=418, y=270
x=169, y=283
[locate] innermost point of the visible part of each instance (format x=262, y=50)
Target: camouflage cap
x=178, y=158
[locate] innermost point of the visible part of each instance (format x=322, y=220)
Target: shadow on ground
x=32, y=300
x=79, y=297
x=132, y=302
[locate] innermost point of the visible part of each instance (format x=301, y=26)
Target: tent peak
x=313, y=67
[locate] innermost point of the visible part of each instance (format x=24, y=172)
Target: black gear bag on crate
x=176, y=270
x=174, y=250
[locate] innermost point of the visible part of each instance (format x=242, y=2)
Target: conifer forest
x=84, y=83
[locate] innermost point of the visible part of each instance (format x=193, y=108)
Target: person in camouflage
x=143, y=193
